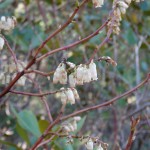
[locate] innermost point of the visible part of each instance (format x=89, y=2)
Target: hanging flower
x=76, y=95
x=99, y=147
x=70, y=96
x=86, y=75
x=89, y=144
x=72, y=80
x=93, y=71
x=1, y=43
x=80, y=73
x=60, y=75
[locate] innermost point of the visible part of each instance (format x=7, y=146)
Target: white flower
x=93, y=71
x=63, y=97
x=74, y=124
x=86, y=75
x=56, y=77
x=7, y=24
x=76, y=95
x=98, y=3
x=3, y=18
x=72, y=80
x=122, y=10
x=70, y=96
x=122, y=4
x=89, y=145
x=60, y=74
x=80, y=73
x=77, y=118
x=1, y=43
x=70, y=64
x=99, y=147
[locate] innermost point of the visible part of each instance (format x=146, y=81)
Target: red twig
x=134, y=123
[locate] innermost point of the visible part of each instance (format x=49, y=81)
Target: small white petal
x=89, y=145
x=63, y=98
x=70, y=96
x=122, y=4
x=80, y=73
x=99, y=147
x=72, y=80
x=77, y=118
x=93, y=71
x=76, y=95
x=1, y=43
x=3, y=18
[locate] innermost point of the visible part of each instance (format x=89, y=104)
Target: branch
x=108, y=102
x=88, y=109
x=61, y=28
x=11, y=51
x=134, y=123
x=73, y=44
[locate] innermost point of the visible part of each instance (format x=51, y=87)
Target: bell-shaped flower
x=70, y=96
x=93, y=71
x=99, y=147
x=63, y=98
x=76, y=95
x=1, y=43
x=86, y=75
x=79, y=74
x=72, y=80
x=89, y=144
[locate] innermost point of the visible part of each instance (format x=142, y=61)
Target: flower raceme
x=79, y=74
x=120, y=8
x=71, y=126
x=7, y=23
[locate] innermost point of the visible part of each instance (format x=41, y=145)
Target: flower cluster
x=98, y=3
x=120, y=8
x=7, y=23
x=1, y=43
x=71, y=126
x=9, y=73
x=69, y=95
x=79, y=74
x=89, y=144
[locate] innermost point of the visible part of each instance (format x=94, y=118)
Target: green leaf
x=43, y=124
x=23, y=134
x=28, y=121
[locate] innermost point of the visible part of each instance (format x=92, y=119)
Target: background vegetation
x=24, y=118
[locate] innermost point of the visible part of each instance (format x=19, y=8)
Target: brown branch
x=11, y=51
x=108, y=102
x=6, y=90
x=61, y=28
x=73, y=44
x=33, y=94
x=134, y=123
x=40, y=72
x=88, y=109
